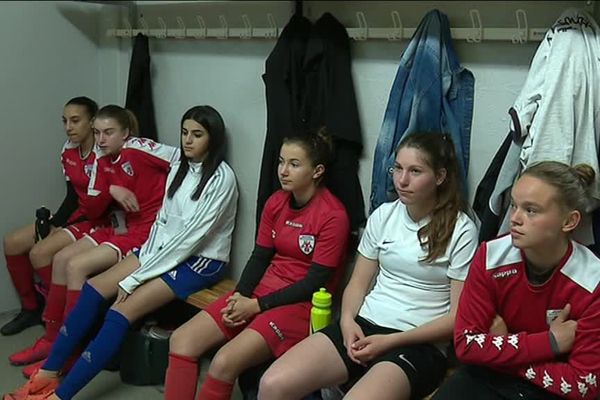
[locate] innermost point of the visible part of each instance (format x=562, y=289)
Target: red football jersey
x=498, y=284
x=318, y=232
x=77, y=170
x=141, y=167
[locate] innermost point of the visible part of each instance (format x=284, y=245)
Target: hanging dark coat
x=490, y=222
x=283, y=80
x=309, y=84
x=139, y=88
x=330, y=101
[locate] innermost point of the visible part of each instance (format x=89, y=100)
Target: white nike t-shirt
x=409, y=292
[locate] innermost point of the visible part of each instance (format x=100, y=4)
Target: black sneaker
x=23, y=320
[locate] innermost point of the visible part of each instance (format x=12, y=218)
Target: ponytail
x=317, y=143
x=134, y=126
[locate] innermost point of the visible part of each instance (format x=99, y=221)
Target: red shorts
x=80, y=229
x=122, y=244
x=281, y=327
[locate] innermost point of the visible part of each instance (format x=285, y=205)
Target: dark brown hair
x=317, y=144
x=90, y=105
x=212, y=121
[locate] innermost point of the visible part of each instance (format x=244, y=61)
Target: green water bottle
x=320, y=313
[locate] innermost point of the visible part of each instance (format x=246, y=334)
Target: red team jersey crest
x=307, y=243
x=127, y=168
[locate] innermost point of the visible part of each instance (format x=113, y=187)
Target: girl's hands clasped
x=239, y=310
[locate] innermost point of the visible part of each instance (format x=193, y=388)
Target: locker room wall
x=227, y=75
x=50, y=53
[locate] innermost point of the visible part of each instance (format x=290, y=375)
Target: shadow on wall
x=83, y=17
x=88, y=17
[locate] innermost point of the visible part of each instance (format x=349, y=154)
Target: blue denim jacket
x=431, y=93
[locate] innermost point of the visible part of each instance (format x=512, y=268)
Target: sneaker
x=23, y=320
x=40, y=350
x=36, y=385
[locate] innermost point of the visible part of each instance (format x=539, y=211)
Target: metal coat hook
x=363, y=28
x=521, y=34
x=198, y=33
x=477, y=27
x=247, y=34
x=398, y=32
x=225, y=28
x=181, y=32
x=162, y=32
x=273, y=25
x=143, y=26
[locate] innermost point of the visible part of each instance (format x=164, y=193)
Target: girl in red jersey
x=398, y=308
x=300, y=247
x=130, y=173
x=77, y=158
x=528, y=322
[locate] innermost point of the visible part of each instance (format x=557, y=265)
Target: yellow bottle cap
x=322, y=298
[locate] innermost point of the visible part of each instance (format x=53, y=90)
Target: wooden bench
x=203, y=298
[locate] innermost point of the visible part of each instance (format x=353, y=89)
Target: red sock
x=45, y=274
x=181, y=378
x=55, y=308
x=214, y=389
x=21, y=273
x=72, y=297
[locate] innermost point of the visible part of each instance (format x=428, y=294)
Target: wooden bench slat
x=203, y=298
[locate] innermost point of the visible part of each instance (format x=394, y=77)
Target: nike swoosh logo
x=387, y=241
x=403, y=358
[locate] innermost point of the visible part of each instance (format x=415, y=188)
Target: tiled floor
x=105, y=386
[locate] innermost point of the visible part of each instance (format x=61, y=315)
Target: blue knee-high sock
x=74, y=329
x=96, y=356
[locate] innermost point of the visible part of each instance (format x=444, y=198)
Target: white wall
x=227, y=75
x=50, y=53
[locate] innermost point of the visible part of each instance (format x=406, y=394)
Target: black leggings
x=475, y=383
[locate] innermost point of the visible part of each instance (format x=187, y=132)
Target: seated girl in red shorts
x=20, y=246
x=301, y=245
